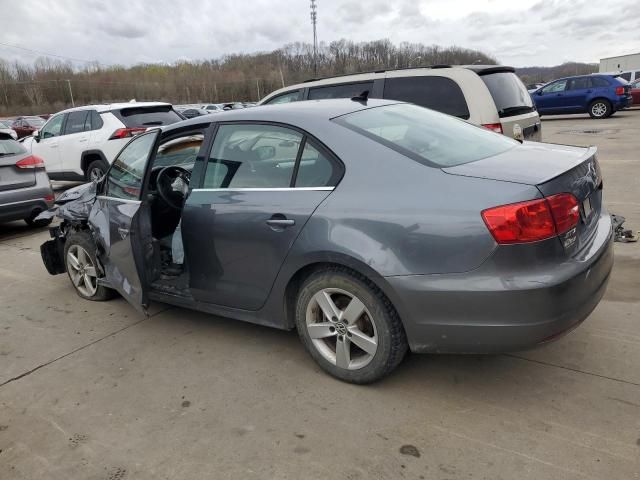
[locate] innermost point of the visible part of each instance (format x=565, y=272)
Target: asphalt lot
x=96, y=391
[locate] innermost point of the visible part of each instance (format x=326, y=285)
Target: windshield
x=5, y=124
x=427, y=136
x=509, y=93
x=8, y=146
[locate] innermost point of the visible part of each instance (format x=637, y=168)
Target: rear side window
x=599, y=82
x=438, y=93
x=8, y=146
x=345, y=90
x=147, y=116
x=316, y=169
x=581, y=83
x=285, y=98
x=75, y=122
x=509, y=93
x=427, y=137
x=94, y=121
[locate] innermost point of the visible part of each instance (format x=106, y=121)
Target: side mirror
x=539, y=92
x=36, y=135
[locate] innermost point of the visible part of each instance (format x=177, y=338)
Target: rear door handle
x=278, y=220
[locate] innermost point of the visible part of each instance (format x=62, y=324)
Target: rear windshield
x=8, y=146
x=509, y=93
x=148, y=116
x=429, y=137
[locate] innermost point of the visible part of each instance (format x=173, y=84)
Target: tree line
x=49, y=85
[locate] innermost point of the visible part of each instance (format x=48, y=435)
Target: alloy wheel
x=341, y=328
x=95, y=174
x=599, y=109
x=82, y=270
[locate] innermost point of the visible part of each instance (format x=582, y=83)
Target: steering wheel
x=168, y=183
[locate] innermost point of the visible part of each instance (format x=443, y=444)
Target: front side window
x=345, y=90
x=53, y=127
x=438, y=93
x=555, y=87
x=75, y=122
x=124, y=179
x=285, y=98
x=252, y=156
x=426, y=136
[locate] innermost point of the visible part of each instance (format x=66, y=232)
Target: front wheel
x=82, y=267
x=600, y=109
x=96, y=170
x=348, y=326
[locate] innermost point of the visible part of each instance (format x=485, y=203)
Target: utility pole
x=258, y=87
x=314, y=20
x=281, y=77
x=71, y=93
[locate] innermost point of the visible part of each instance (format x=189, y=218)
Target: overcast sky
x=518, y=33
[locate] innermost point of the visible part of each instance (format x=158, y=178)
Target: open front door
x=115, y=218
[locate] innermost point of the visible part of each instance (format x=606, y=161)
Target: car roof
x=115, y=106
x=301, y=114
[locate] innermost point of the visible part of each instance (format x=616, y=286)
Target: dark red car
x=635, y=92
x=25, y=126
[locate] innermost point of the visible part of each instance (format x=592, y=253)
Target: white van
x=629, y=75
x=488, y=95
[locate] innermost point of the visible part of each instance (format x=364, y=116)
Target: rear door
x=114, y=218
x=578, y=89
x=74, y=139
x=261, y=184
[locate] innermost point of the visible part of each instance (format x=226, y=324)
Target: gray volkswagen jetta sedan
x=372, y=227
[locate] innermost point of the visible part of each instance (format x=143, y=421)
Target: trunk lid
x=12, y=177
x=552, y=169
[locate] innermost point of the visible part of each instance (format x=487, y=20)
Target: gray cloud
x=126, y=32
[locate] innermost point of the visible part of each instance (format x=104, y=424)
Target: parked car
x=487, y=95
x=25, y=190
x=213, y=107
x=628, y=75
x=192, y=112
x=5, y=128
x=532, y=87
x=635, y=92
x=80, y=143
x=25, y=126
x=598, y=95
x=232, y=106
x=344, y=219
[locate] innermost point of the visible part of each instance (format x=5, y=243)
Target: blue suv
x=598, y=95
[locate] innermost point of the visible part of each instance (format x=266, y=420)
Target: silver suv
x=487, y=95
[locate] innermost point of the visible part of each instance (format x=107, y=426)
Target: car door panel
x=237, y=239
x=115, y=218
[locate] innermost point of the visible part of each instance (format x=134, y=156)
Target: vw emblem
x=341, y=328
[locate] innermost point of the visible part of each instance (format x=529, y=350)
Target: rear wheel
x=348, y=326
x=96, y=170
x=600, y=108
x=80, y=261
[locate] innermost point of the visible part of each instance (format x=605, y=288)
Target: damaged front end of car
x=73, y=208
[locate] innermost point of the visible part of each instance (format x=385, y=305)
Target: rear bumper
x=623, y=102
x=22, y=203
x=486, y=311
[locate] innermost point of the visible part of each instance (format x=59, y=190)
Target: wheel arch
x=89, y=156
x=302, y=271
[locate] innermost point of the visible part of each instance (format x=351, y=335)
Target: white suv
x=488, y=95
x=80, y=143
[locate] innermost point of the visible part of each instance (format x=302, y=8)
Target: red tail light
x=619, y=90
x=32, y=161
x=494, y=127
x=126, y=133
x=534, y=220
x=49, y=198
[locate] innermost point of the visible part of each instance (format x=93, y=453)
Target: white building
x=621, y=63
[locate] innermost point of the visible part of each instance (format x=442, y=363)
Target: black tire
x=32, y=222
x=84, y=240
x=94, y=167
x=600, y=108
x=392, y=343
